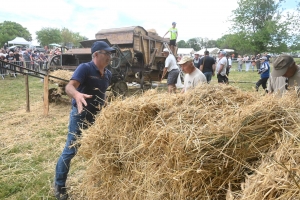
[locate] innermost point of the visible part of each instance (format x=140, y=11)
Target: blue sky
x=194, y=18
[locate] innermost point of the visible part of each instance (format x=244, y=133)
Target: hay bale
x=278, y=175
x=63, y=74
x=191, y=146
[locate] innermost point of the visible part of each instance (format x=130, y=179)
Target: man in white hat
x=193, y=76
x=172, y=69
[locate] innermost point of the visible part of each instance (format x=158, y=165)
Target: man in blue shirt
x=264, y=72
x=87, y=88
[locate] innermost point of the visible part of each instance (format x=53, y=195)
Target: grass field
x=30, y=143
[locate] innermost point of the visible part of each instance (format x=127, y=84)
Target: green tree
x=10, y=30
x=47, y=36
x=70, y=37
x=77, y=38
x=196, y=43
x=66, y=36
x=260, y=26
x=211, y=43
x=182, y=44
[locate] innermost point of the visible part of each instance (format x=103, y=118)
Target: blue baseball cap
x=174, y=23
x=100, y=45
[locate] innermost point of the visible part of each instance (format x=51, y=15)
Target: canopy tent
x=210, y=50
x=19, y=40
x=229, y=50
x=214, y=51
x=54, y=44
x=185, y=51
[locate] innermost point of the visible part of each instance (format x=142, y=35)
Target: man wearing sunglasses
x=87, y=88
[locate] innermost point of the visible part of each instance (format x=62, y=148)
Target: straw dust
x=201, y=145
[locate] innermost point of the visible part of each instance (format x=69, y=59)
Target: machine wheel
x=55, y=62
x=120, y=88
x=115, y=62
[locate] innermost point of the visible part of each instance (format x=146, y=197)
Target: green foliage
x=47, y=36
x=64, y=36
x=182, y=44
x=197, y=43
x=10, y=30
x=211, y=44
x=70, y=37
x=260, y=26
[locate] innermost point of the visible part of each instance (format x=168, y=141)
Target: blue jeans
x=77, y=122
x=208, y=76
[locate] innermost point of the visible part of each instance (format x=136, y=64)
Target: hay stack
x=278, y=175
x=192, y=146
x=63, y=74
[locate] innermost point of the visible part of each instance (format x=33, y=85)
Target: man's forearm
x=221, y=69
x=201, y=68
x=164, y=73
x=71, y=90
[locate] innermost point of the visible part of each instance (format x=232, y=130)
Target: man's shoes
x=60, y=192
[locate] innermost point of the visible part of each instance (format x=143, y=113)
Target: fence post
x=46, y=94
x=27, y=93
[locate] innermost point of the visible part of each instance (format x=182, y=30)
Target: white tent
x=55, y=45
x=19, y=40
x=214, y=51
x=185, y=51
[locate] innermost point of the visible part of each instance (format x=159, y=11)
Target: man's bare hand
x=80, y=101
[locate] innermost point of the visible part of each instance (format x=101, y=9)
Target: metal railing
x=20, y=67
x=35, y=69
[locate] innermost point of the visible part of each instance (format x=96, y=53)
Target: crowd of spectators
x=25, y=57
x=251, y=61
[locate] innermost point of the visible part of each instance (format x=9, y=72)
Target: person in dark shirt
x=10, y=57
x=268, y=57
x=264, y=72
x=87, y=88
x=196, y=60
x=17, y=56
x=207, y=66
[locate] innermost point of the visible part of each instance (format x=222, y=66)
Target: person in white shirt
x=193, y=76
x=221, y=68
x=229, y=63
x=285, y=66
x=172, y=69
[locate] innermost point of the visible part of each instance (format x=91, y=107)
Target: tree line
x=257, y=26
x=10, y=30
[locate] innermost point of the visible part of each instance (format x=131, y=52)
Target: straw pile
x=200, y=145
x=63, y=74
x=278, y=175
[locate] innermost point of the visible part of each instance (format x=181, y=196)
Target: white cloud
x=194, y=18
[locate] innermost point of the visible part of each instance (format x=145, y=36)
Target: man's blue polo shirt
x=92, y=83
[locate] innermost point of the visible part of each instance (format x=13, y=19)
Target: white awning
x=19, y=40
